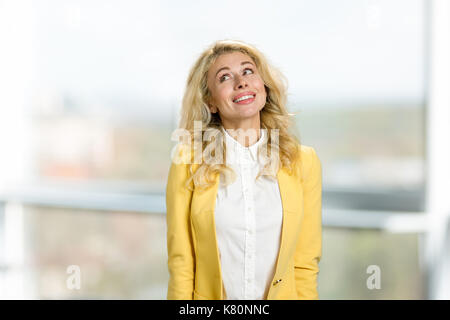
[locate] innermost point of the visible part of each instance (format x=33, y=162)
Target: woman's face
x=237, y=89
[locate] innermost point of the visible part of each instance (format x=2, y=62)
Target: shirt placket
x=250, y=239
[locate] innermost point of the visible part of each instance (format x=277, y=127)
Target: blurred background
x=90, y=92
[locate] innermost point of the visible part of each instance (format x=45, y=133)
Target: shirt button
x=277, y=281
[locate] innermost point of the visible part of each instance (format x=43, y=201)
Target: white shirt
x=248, y=216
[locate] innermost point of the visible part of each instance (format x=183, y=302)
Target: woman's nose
x=240, y=83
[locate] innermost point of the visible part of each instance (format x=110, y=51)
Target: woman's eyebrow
x=226, y=68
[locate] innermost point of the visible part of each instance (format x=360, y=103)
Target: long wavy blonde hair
x=274, y=115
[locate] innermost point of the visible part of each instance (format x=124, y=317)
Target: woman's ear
x=213, y=109
x=211, y=106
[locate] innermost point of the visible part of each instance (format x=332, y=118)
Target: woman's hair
x=274, y=115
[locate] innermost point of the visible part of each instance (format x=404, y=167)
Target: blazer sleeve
x=309, y=247
x=180, y=248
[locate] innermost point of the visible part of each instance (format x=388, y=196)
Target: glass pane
x=105, y=82
x=347, y=255
x=119, y=255
x=359, y=93
x=102, y=108
x=105, y=97
x=123, y=256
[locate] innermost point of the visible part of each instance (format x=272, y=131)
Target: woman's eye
x=222, y=78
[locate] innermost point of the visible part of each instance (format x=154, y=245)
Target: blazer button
x=277, y=281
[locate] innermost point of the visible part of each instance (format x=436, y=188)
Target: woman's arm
x=309, y=247
x=180, y=247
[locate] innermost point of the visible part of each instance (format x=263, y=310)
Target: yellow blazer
x=193, y=255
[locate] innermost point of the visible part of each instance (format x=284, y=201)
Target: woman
x=241, y=224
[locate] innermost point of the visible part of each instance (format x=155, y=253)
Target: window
x=92, y=93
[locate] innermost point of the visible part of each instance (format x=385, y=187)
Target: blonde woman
x=243, y=195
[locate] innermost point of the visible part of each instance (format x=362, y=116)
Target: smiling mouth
x=245, y=99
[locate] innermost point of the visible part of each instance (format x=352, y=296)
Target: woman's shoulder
x=308, y=159
x=305, y=149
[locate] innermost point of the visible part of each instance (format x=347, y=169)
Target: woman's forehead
x=228, y=60
x=225, y=59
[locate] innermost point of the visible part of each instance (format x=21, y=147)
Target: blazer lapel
x=292, y=202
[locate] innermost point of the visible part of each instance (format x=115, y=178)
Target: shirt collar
x=235, y=149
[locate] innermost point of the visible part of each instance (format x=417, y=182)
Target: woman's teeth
x=243, y=98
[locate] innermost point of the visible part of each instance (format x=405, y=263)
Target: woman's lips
x=246, y=101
